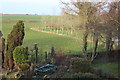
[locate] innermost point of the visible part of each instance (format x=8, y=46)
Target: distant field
x=44, y=40
x=28, y=17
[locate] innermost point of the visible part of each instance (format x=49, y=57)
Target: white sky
x=48, y=1
x=29, y=1
x=47, y=7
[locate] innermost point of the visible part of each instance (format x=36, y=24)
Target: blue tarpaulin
x=45, y=68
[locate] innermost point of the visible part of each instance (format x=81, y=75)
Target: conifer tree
x=14, y=39
x=3, y=49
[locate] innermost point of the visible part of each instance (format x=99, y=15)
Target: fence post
x=36, y=53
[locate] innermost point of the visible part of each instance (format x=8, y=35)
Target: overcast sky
x=42, y=7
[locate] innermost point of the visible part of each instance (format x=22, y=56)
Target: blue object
x=45, y=68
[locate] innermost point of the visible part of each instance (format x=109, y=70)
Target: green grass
x=44, y=40
x=108, y=67
x=28, y=17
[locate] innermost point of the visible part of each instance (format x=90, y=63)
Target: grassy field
x=28, y=17
x=46, y=40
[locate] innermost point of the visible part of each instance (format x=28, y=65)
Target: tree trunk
x=71, y=32
x=108, y=41
x=95, y=46
x=119, y=24
x=57, y=30
x=6, y=63
x=85, y=36
x=11, y=63
x=2, y=59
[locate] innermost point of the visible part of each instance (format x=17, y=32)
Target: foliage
x=20, y=54
x=80, y=65
x=3, y=49
x=16, y=36
x=3, y=44
x=24, y=66
x=14, y=39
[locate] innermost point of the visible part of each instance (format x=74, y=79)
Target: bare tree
x=85, y=11
x=99, y=18
x=110, y=23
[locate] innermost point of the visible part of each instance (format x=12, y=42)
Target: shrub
x=80, y=65
x=24, y=66
x=20, y=54
x=60, y=59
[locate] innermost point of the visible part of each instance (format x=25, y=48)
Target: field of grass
x=46, y=40
x=28, y=17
